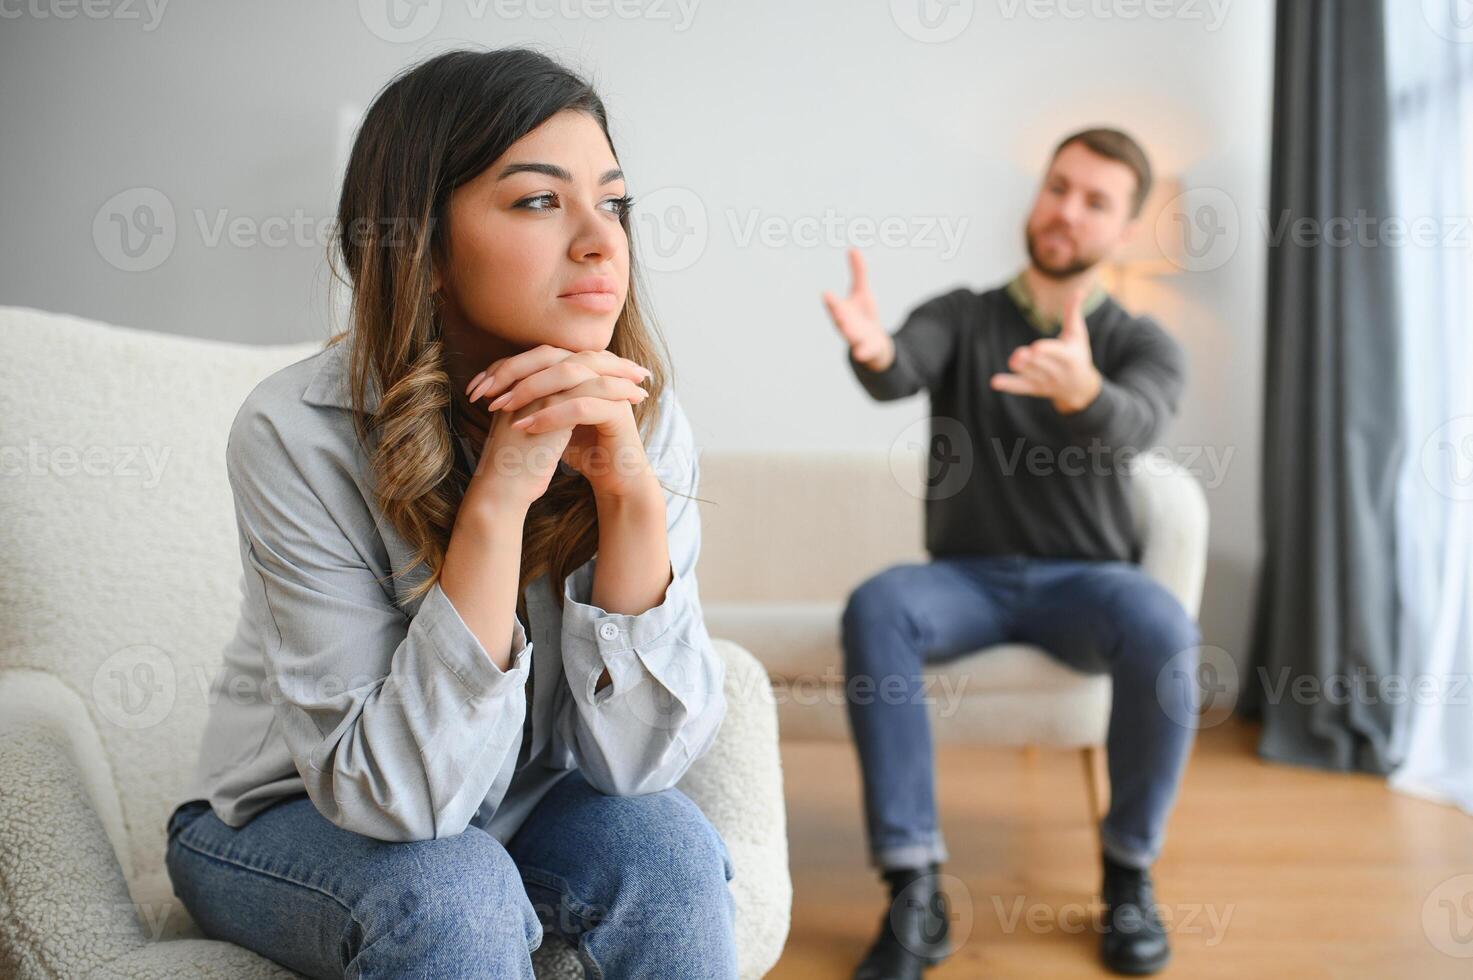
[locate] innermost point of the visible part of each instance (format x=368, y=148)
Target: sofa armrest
x=738, y=785
x=1171, y=523
x=65, y=907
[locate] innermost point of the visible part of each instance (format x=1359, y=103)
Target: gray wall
x=760, y=136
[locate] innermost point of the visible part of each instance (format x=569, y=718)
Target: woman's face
x=537, y=251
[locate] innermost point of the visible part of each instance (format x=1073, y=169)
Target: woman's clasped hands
x=550, y=404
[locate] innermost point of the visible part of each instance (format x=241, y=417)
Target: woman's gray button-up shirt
x=389, y=713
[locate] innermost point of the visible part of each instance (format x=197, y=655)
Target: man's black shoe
x=915, y=931
x=1133, y=940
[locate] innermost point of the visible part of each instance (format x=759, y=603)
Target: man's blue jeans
x=638, y=885
x=1098, y=617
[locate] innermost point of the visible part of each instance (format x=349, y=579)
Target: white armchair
x=836, y=519
x=120, y=582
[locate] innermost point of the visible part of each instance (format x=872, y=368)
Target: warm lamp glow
x=1158, y=246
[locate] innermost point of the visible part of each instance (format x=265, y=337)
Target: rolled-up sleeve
x=665, y=702
x=400, y=726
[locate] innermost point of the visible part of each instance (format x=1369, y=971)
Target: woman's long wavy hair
x=432, y=128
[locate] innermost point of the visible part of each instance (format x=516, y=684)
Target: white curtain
x=1430, y=68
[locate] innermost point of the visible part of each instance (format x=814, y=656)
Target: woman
x=392, y=781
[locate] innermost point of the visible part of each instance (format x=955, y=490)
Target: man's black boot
x=1133, y=940
x=915, y=931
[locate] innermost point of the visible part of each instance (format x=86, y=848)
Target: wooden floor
x=1268, y=870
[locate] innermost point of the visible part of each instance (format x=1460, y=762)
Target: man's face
x=1082, y=213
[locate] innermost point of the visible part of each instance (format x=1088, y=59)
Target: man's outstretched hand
x=859, y=321
x=1060, y=368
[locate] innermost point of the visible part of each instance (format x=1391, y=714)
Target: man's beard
x=1081, y=263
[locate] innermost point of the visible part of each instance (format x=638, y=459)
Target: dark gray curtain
x=1326, y=611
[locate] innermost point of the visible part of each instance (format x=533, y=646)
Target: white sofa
x=119, y=585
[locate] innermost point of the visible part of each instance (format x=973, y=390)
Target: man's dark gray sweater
x=1033, y=481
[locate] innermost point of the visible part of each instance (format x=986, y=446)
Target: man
x=1035, y=545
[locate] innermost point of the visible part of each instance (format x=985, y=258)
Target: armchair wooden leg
x=1097, y=782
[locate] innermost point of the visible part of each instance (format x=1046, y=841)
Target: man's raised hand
x=1061, y=368
x=859, y=321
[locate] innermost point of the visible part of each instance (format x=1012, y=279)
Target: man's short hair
x=1115, y=145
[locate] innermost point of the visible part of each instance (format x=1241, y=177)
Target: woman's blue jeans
x=637, y=884
x=1095, y=616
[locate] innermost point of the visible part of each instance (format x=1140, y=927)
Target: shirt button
x=608, y=631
